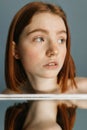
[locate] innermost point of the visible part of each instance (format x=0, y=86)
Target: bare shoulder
x=81, y=88
x=81, y=85
x=82, y=81
x=9, y=91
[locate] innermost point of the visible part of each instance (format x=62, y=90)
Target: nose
x=52, y=50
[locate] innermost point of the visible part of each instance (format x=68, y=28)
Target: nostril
x=51, y=52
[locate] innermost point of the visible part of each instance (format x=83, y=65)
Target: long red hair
x=14, y=72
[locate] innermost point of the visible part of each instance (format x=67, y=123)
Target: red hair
x=14, y=72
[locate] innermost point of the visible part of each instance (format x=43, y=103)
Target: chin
x=50, y=75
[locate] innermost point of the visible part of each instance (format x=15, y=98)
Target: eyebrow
x=45, y=31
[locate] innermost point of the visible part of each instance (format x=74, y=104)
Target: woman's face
x=42, y=46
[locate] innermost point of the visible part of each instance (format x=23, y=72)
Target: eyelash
x=41, y=39
x=63, y=40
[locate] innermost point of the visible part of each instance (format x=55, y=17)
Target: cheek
x=32, y=55
x=29, y=60
x=63, y=55
x=29, y=56
x=62, y=59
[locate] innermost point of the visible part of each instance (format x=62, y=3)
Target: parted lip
x=51, y=63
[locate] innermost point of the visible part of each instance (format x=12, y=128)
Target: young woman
x=38, y=58
x=40, y=115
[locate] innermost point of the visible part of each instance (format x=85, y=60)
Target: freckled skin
x=33, y=51
x=33, y=54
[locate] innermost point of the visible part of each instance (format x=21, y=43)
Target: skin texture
x=41, y=46
x=42, y=114
x=42, y=51
x=41, y=117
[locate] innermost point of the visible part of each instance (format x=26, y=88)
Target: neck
x=42, y=111
x=44, y=85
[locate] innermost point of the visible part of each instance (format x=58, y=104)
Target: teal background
x=76, y=11
x=80, y=123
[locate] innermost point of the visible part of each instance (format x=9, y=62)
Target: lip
x=51, y=65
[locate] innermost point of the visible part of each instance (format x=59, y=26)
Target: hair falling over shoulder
x=66, y=117
x=14, y=72
x=16, y=115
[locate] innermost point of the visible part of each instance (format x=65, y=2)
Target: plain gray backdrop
x=76, y=11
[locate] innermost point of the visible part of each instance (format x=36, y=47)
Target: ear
x=15, y=50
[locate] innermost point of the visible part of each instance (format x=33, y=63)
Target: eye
x=61, y=40
x=39, y=39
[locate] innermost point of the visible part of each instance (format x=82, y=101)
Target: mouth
x=51, y=65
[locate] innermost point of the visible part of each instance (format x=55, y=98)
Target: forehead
x=49, y=21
